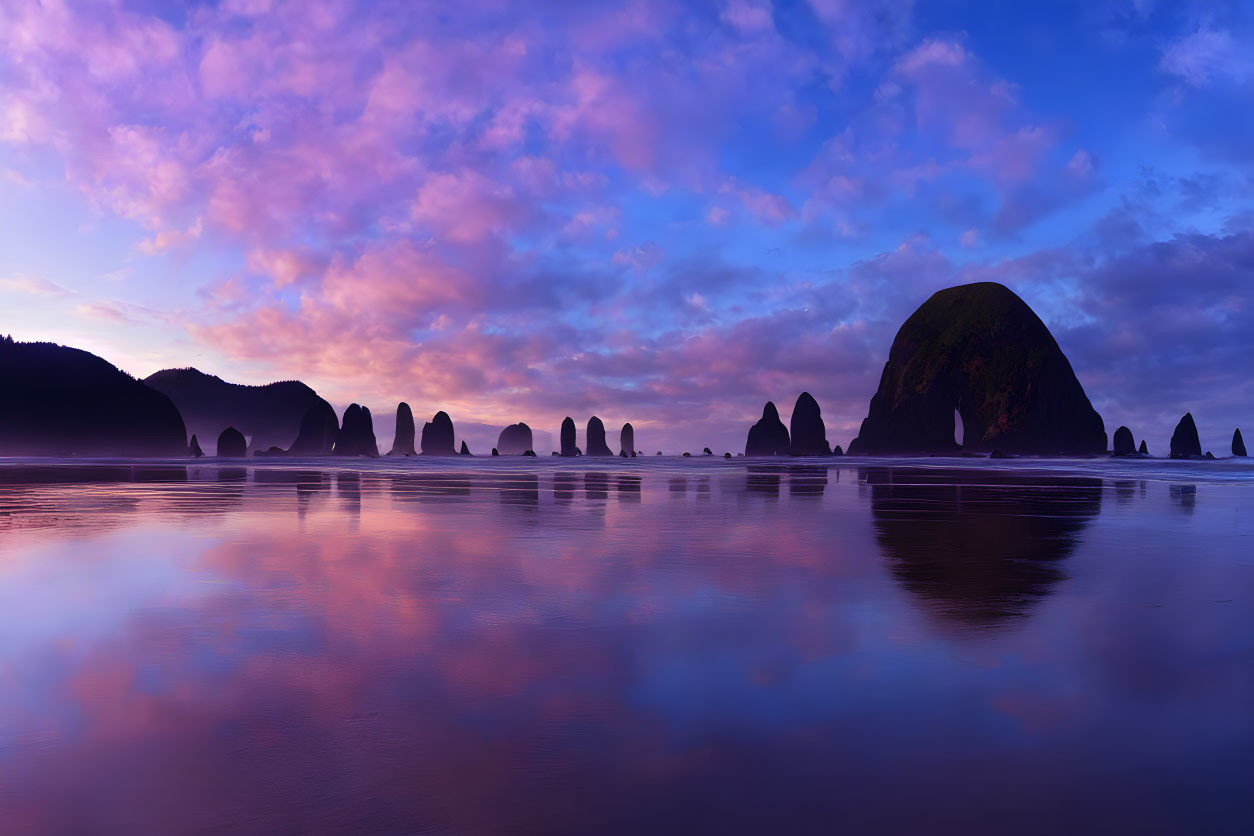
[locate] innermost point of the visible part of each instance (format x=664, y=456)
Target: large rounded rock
x=356, y=433
x=403, y=441
x=627, y=441
x=1184, y=441
x=569, y=447
x=596, y=438
x=437, y=436
x=515, y=440
x=319, y=429
x=1123, y=444
x=980, y=350
x=231, y=444
x=1238, y=443
x=769, y=436
x=809, y=436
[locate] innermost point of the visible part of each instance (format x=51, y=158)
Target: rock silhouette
x=496, y=452
x=465, y=451
x=1123, y=444
x=838, y=451
x=437, y=436
x=568, y=438
x=596, y=438
x=60, y=401
x=403, y=442
x=356, y=436
x=979, y=349
x=515, y=440
x=193, y=447
x=231, y=444
x=269, y=415
x=627, y=441
x=769, y=436
x=1238, y=443
x=319, y=429
x=805, y=428
x=1184, y=441
x=1144, y=451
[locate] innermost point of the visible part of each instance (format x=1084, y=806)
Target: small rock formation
x=727, y=455
x=437, y=436
x=465, y=451
x=1238, y=444
x=515, y=440
x=194, y=447
x=231, y=444
x=979, y=349
x=531, y=453
x=319, y=429
x=568, y=438
x=838, y=451
x=806, y=429
x=497, y=452
x=769, y=436
x=270, y=453
x=1209, y=454
x=1184, y=441
x=627, y=441
x=1144, y=451
x=998, y=454
x=1123, y=442
x=707, y=451
x=596, y=438
x=403, y=444
x=687, y=455
x=356, y=436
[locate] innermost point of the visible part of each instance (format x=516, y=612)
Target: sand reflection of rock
x=980, y=548
x=1185, y=496
x=805, y=480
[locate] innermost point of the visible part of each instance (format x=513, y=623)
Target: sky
x=661, y=212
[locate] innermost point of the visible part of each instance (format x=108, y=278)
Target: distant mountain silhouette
x=268, y=415
x=568, y=437
x=403, y=443
x=806, y=430
x=515, y=440
x=319, y=429
x=60, y=401
x=437, y=436
x=769, y=436
x=356, y=433
x=627, y=442
x=1184, y=441
x=979, y=349
x=596, y=439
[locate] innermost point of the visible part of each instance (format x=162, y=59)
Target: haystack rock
x=437, y=436
x=319, y=429
x=193, y=447
x=1238, y=444
x=627, y=441
x=769, y=436
x=403, y=443
x=805, y=428
x=465, y=451
x=515, y=440
x=1184, y=441
x=356, y=433
x=978, y=349
x=1144, y=451
x=1124, y=445
x=231, y=444
x=567, y=434
x=596, y=438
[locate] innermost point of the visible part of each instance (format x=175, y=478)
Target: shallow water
x=650, y=646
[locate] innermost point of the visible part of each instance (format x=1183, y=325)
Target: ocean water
x=511, y=646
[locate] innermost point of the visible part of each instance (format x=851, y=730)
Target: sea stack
x=805, y=428
x=1238, y=444
x=627, y=441
x=515, y=440
x=465, y=451
x=596, y=438
x=769, y=436
x=568, y=437
x=231, y=444
x=437, y=436
x=403, y=443
x=1124, y=445
x=356, y=436
x=1184, y=441
x=979, y=349
x=193, y=447
x=1143, y=450
x=319, y=429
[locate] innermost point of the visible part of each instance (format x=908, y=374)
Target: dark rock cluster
x=1184, y=441
x=596, y=445
x=809, y=436
x=769, y=436
x=1123, y=444
x=356, y=436
x=403, y=441
x=515, y=440
x=627, y=441
x=568, y=437
x=232, y=444
x=319, y=429
x=437, y=436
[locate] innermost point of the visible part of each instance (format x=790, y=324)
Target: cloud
x=1206, y=55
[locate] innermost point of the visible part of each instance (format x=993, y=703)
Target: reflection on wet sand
x=980, y=548
x=1185, y=496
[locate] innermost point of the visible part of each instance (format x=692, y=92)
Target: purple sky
x=657, y=212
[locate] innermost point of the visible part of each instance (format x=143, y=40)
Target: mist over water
x=654, y=645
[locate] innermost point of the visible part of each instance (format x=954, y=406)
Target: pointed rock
x=1123, y=443
x=356, y=436
x=231, y=444
x=627, y=441
x=497, y=452
x=837, y=451
x=1238, y=444
x=319, y=429
x=1184, y=441
x=769, y=436
x=809, y=436
x=465, y=451
x=568, y=438
x=1144, y=451
x=596, y=438
x=515, y=440
x=403, y=443
x=437, y=436
x=194, y=447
